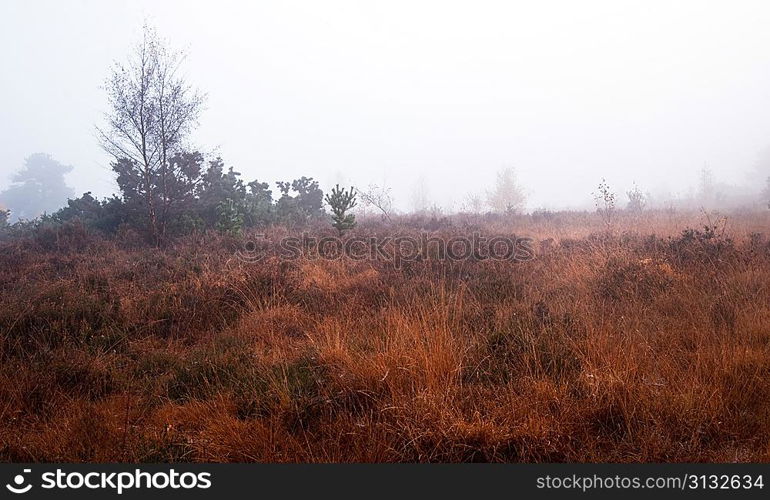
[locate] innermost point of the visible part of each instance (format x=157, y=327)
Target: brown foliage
x=629, y=348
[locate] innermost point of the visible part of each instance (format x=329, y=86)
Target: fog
x=392, y=92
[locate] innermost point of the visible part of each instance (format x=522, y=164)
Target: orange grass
x=629, y=347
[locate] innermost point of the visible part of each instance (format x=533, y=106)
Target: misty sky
x=392, y=91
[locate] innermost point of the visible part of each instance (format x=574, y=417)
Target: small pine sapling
x=229, y=218
x=341, y=202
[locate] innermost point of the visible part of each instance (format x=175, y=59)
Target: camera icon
x=18, y=482
x=252, y=251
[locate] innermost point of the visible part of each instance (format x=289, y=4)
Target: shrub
x=306, y=204
x=341, y=202
x=229, y=219
x=636, y=200
x=638, y=279
x=702, y=246
x=105, y=216
x=605, y=204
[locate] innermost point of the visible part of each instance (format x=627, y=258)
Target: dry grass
x=644, y=346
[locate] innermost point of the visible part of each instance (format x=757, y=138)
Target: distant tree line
x=167, y=188
x=205, y=198
x=199, y=196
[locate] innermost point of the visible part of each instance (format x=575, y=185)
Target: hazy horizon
x=391, y=92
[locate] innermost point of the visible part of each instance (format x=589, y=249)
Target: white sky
x=566, y=92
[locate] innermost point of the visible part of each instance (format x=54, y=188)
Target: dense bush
x=304, y=205
x=213, y=198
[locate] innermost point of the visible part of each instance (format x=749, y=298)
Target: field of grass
x=647, y=343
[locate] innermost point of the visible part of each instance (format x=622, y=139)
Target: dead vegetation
x=651, y=344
